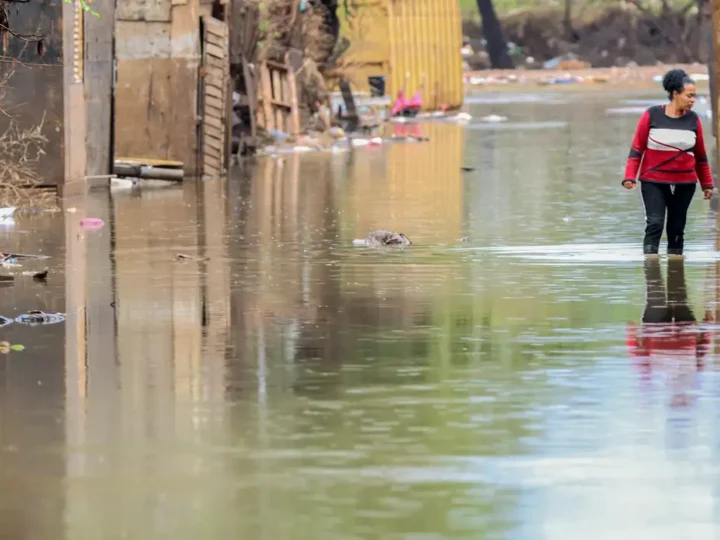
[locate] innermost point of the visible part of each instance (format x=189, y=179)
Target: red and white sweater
x=668, y=150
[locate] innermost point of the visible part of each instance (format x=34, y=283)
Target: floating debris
x=4, y=321
x=6, y=347
x=183, y=257
x=6, y=278
x=38, y=276
x=37, y=318
x=92, y=224
x=383, y=238
x=493, y=119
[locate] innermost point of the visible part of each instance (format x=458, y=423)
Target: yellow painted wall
x=414, y=37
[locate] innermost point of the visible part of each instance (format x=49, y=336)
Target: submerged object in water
x=36, y=317
x=493, y=119
x=383, y=238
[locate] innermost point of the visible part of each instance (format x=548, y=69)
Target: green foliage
x=86, y=7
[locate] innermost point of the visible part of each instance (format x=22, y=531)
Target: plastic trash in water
x=91, y=224
x=36, y=318
x=7, y=216
x=493, y=118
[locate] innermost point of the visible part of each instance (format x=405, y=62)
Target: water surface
x=287, y=385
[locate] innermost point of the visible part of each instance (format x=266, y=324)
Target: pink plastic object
x=400, y=104
x=91, y=223
x=416, y=102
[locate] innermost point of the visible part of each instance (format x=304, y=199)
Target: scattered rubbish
x=6, y=347
x=92, y=224
x=4, y=321
x=7, y=213
x=278, y=135
x=554, y=63
x=464, y=239
x=6, y=278
x=383, y=238
x=493, y=118
x=566, y=79
x=37, y=318
x=9, y=259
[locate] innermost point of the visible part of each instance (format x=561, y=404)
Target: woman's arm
x=702, y=168
x=637, y=149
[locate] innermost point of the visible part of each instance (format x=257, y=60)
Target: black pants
x=673, y=307
x=657, y=199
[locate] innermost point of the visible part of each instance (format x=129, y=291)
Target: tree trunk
x=567, y=21
x=496, y=45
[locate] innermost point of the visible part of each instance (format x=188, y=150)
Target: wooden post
x=99, y=67
x=266, y=86
x=73, y=99
x=292, y=94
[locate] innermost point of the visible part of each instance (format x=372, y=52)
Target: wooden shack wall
x=34, y=92
x=414, y=37
x=158, y=62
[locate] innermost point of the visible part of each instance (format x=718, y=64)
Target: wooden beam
x=99, y=92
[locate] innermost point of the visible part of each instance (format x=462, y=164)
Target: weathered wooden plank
x=212, y=151
x=99, y=77
x=213, y=131
x=214, y=91
x=215, y=50
x=220, y=64
x=212, y=142
x=292, y=94
x=212, y=154
x=213, y=112
x=143, y=10
x=215, y=26
x=214, y=121
x=218, y=41
x=213, y=102
x=142, y=40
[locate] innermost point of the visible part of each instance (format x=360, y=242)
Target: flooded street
x=279, y=383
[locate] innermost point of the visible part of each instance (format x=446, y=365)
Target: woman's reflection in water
x=670, y=343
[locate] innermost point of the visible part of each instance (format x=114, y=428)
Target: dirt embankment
x=643, y=77
x=613, y=37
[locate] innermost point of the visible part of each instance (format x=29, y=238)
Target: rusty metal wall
x=410, y=42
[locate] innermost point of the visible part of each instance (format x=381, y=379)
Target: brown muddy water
x=291, y=386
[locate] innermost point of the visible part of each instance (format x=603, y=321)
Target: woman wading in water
x=668, y=157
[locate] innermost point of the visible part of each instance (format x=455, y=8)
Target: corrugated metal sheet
x=410, y=42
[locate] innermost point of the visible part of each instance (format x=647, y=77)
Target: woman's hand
x=707, y=193
x=629, y=184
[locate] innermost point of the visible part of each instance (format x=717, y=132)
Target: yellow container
x=410, y=42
